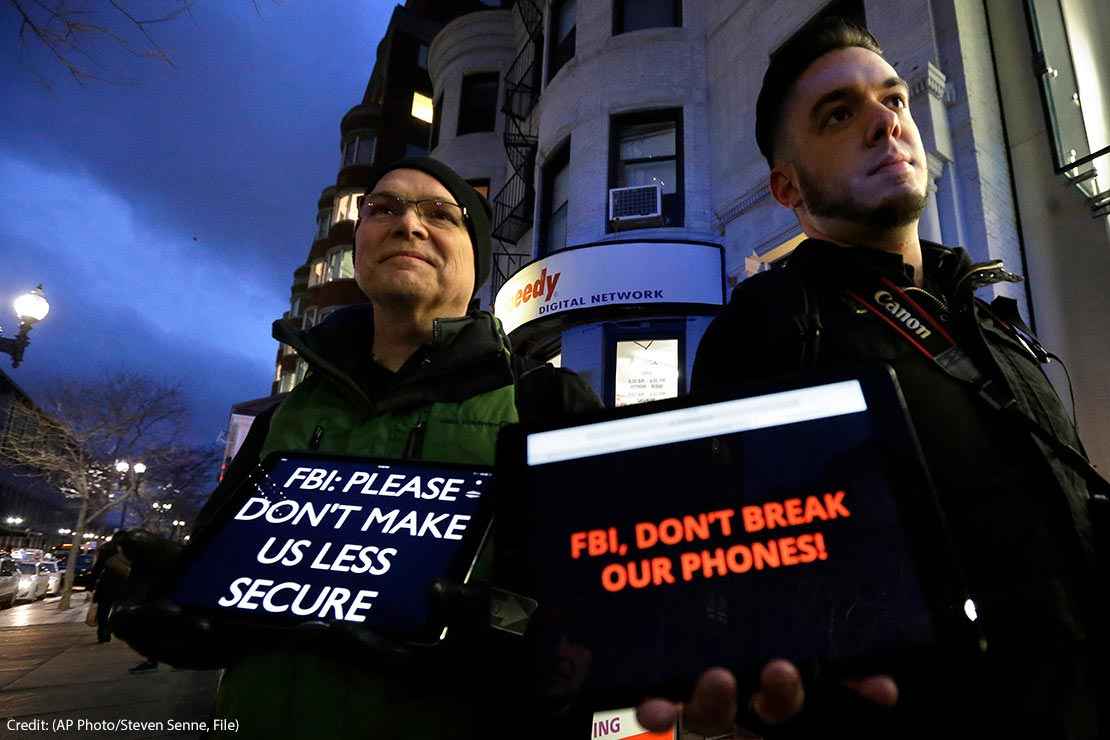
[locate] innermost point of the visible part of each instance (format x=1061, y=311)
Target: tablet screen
x=728, y=534
x=341, y=539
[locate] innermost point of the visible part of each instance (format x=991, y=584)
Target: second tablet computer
x=796, y=522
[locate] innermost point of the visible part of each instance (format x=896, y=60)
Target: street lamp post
x=30, y=308
x=162, y=509
x=131, y=474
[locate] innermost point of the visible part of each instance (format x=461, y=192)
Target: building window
x=437, y=113
x=421, y=107
x=286, y=384
x=563, y=14
x=478, y=103
x=323, y=223
x=556, y=196
x=636, y=15
x=341, y=265
x=645, y=149
x=309, y=320
x=317, y=274
x=422, y=56
x=359, y=149
x=302, y=368
x=647, y=367
x=295, y=307
x=346, y=206
x=482, y=186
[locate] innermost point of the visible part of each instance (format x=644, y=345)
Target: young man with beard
x=833, y=121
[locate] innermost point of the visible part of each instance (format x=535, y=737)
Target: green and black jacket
x=446, y=404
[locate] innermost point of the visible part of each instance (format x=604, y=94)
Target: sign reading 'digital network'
x=611, y=274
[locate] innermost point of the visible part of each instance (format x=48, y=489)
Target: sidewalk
x=51, y=667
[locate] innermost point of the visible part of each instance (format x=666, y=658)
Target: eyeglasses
x=432, y=212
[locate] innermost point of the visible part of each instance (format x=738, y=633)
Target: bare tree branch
x=75, y=439
x=68, y=32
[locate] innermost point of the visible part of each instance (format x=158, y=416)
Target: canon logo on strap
x=894, y=308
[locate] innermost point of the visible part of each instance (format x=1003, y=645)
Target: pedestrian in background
x=110, y=572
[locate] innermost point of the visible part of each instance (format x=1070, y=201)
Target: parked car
x=31, y=586
x=48, y=570
x=9, y=582
x=82, y=574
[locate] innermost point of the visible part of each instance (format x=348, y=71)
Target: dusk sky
x=165, y=210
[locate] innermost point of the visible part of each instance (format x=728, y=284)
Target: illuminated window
x=341, y=265
x=563, y=13
x=346, y=206
x=646, y=370
x=302, y=368
x=286, y=384
x=556, y=361
x=422, y=107
x=317, y=274
x=277, y=370
x=478, y=103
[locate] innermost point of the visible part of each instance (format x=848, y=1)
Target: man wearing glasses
x=416, y=375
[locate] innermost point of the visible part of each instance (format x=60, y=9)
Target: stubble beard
x=892, y=212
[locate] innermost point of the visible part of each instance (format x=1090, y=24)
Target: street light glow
x=140, y=468
x=32, y=306
x=122, y=466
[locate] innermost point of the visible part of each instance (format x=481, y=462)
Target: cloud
x=125, y=295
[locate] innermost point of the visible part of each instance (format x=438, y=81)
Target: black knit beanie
x=478, y=210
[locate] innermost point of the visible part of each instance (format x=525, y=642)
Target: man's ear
x=784, y=186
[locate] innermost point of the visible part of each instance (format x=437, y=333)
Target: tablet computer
x=795, y=520
x=310, y=537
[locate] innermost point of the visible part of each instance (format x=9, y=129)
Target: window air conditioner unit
x=640, y=205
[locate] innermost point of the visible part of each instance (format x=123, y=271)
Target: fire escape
x=514, y=204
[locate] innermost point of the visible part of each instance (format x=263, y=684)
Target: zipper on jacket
x=317, y=435
x=415, y=443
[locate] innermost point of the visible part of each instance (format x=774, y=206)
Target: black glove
x=464, y=609
x=156, y=627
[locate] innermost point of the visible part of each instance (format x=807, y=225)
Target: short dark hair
x=791, y=61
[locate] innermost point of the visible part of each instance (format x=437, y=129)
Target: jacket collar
x=945, y=267
x=474, y=344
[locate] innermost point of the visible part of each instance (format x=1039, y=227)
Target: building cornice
x=744, y=203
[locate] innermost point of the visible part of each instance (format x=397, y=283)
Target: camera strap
x=919, y=328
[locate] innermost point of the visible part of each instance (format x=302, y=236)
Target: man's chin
x=897, y=210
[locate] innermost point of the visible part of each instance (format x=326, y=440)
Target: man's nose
x=884, y=124
x=409, y=223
